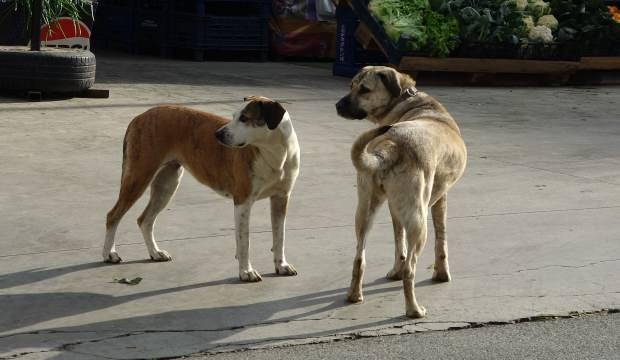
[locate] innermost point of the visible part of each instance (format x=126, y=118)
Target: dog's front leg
x=242, y=235
x=279, y=205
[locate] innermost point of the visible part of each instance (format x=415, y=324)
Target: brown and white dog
x=412, y=160
x=252, y=157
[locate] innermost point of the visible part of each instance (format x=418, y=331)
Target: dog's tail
x=371, y=161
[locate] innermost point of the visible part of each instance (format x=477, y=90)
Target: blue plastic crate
x=217, y=32
x=235, y=33
x=350, y=57
x=227, y=25
x=393, y=52
x=115, y=24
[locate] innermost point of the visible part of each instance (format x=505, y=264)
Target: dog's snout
x=341, y=104
x=219, y=135
x=345, y=108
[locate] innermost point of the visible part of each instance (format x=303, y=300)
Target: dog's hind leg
x=163, y=188
x=132, y=187
x=416, y=228
x=410, y=203
x=400, y=253
x=369, y=200
x=439, y=211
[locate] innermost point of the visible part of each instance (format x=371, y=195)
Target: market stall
x=554, y=41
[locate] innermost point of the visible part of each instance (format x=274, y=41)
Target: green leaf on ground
x=134, y=281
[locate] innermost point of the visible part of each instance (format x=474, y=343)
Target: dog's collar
x=410, y=92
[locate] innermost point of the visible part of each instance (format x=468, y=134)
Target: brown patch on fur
x=263, y=110
x=167, y=133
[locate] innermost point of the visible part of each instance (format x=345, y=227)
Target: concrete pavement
x=587, y=337
x=532, y=225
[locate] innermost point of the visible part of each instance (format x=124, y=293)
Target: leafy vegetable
x=488, y=21
x=442, y=34
x=586, y=22
x=415, y=22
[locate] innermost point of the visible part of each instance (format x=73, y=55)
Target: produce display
x=443, y=27
x=421, y=28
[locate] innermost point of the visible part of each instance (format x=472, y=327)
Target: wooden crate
x=451, y=71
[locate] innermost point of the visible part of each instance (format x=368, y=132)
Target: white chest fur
x=276, y=166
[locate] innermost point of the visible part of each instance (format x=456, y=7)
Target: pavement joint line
x=317, y=228
x=151, y=104
x=146, y=331
x=542, y=268
x=569, y=266
x=537, y=296
x=551, y=171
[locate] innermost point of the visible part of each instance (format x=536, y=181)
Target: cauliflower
x=538, y=8
x=521, y=4
x=549, y=21
x=529, y=23
x=540, y=34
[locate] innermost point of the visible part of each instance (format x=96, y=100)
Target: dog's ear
x=250, y=98
x=272, y=112
x=391, y=82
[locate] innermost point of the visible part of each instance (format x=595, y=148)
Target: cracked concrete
x=532, y=225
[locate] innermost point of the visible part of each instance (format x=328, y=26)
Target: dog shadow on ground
x=27, y=309
x=32, y=276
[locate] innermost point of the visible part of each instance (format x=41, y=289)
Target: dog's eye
x=363, y=89
x=243, y=118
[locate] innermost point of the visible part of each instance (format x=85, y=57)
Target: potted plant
x=38, y=70
x=15, y=16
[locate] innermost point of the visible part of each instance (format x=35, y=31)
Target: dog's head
x=254, y=123
x=373, y=90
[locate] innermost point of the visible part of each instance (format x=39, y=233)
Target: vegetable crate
x=539, y=64
x=205, y=26
x=350, y=56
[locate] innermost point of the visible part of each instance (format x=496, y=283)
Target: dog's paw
x=161, y=255
x=112, y=258
x=441, y=276
x=250, y=276
x=395, y=274
x=355, y=297
x=418, y=313
x=285, y=269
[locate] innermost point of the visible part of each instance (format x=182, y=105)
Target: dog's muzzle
x=224, y=137
x=344, y=107
x=220, y=135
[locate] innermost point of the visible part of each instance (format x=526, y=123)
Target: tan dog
x=412, y=160
x=252, y=157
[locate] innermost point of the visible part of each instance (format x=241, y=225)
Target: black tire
x=50, y=70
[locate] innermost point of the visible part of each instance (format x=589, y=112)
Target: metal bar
x=35, y=25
